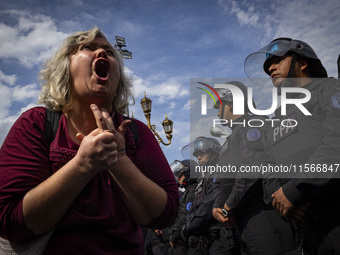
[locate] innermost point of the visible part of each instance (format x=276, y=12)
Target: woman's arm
x=148, y=190
x=144, y=199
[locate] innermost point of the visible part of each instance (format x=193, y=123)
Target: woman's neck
x=79, y=120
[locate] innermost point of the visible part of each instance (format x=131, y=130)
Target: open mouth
x=101, y=69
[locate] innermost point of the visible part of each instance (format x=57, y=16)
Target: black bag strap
x=52, y=124
x=133, y=128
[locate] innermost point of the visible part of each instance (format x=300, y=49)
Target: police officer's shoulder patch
x=335, y=100
x=189, y=205
x=253, y=134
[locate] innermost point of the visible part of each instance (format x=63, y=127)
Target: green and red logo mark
x=204, y=97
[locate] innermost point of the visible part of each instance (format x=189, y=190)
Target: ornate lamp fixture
x=167, y=124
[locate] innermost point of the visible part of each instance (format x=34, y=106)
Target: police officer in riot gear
x=260, y=228
x=308, y=195
x=202, y=230
x=181, y=170
x=206, y=150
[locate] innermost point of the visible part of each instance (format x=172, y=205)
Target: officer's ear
x=230, y=107
x=303, y=64
x=302, y=68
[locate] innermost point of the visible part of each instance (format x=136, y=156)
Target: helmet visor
x=199, y=145
x=177, y=168
x=280, y=47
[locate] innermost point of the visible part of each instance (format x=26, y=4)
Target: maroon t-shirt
x=97, y=222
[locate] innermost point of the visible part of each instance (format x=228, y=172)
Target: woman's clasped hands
x=100, y=150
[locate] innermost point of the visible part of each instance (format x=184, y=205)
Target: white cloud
x=13, y=96
x=5, y=100
x=8, y=97
x=20, y=93
x=130, y=28
x=29, y=106
x=7, y=122
x=184, y=92
x=31, y=39
x=166, y=90
x=139, y=86
x=5, y=126
x=248, y=17
x=8, y=79
x=172, y=105
x=189, y=104
x=245, y=16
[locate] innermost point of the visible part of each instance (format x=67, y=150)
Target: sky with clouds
x=171, y=41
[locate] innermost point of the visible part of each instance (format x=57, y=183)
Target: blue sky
x=171, y=42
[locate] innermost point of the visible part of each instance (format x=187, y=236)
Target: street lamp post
x=120, y=43
x=146, y=102
x=167, y=124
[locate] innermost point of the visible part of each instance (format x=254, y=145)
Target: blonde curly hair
x=55, y=77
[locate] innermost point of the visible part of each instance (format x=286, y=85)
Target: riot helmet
x=183, y=167
x=278, y=48
x=281, y=46
x=203, y=144
x=227, y=97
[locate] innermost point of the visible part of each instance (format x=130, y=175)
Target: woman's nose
x=101, y=53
